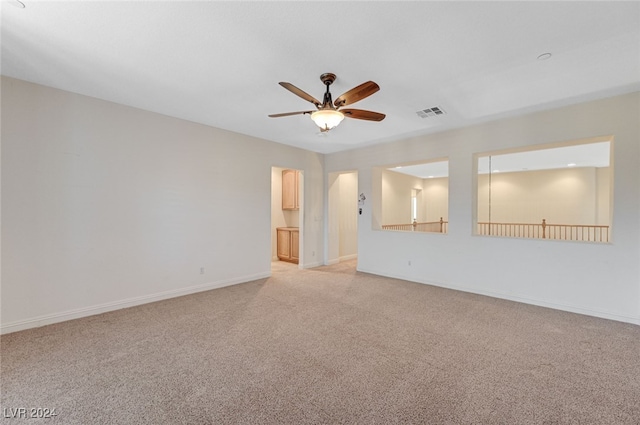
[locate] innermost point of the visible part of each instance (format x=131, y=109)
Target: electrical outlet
x=409, y=262
x=201, y=270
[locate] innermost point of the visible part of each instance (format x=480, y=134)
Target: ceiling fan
x=328, y=114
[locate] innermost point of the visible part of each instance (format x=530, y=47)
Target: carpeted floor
x=327, y=345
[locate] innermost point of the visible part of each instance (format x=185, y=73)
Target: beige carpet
x=331, y=346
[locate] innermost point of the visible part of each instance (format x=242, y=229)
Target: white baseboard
x=63, y=316
x=343, y=258
x=524, y=300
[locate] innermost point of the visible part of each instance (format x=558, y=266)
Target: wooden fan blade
x=306, y=96
x=363, y=115
x=356, y=94
x=286, y=114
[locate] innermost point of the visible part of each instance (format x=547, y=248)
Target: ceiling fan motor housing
x=328, y=78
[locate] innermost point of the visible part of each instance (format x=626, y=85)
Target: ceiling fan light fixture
x=327, y=119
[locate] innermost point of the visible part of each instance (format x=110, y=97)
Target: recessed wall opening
x=415, y=196
x=555, y=192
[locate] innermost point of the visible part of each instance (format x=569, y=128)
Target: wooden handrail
x=544, y=230
x=428, y=226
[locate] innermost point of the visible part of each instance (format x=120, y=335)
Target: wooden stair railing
x=429, y=226
x=544, y=230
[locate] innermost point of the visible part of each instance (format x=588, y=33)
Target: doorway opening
x=342, y=217
x=286, y=214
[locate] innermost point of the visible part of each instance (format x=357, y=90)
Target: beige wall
x=603, y=196
x=396, y=196
x=435, y=199
x=562, y=196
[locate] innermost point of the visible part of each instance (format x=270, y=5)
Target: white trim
x=524, y=300
x=63, y=316
x=348, y=257
x=343, y=258
x=312, y=265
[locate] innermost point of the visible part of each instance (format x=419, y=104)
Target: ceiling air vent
x=430, y=112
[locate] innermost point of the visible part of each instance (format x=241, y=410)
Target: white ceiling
x=219, y=63
x=582, y=155
x=586, y=155
x=425, y=170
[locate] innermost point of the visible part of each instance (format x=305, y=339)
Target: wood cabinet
x=288, y=244
x=290, y=180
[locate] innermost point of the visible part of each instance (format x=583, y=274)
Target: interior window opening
x=415, y=197
x=558, y=192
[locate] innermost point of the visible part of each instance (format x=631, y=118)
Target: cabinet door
x=284, y=240
x=295, y=248
x=289, y=189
